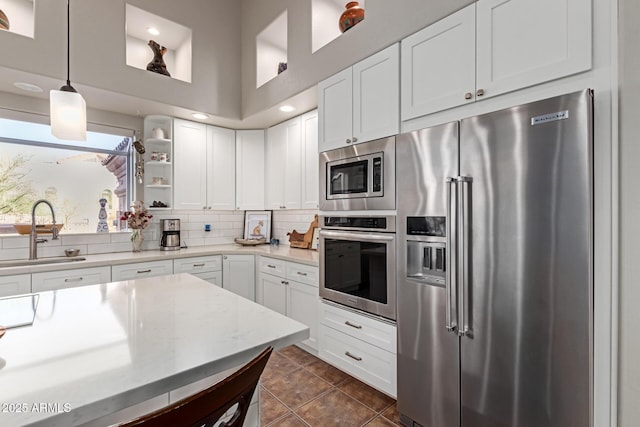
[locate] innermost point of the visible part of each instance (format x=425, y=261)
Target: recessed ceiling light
x=286, y=108
x=200, y=116
x=153, y=31
x=28, y=87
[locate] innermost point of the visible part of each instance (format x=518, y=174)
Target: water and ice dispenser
x=426, y=255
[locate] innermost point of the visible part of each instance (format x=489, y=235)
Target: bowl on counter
x=71, y=252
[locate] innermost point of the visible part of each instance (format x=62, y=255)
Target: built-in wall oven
x=359, y=177
x=357, y=262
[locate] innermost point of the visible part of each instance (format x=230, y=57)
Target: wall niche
x=20, y=15
x=143, y=26
x=325, y=16
x=271, y=50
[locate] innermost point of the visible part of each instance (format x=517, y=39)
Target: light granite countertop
x=303, y=256
x=97, y=349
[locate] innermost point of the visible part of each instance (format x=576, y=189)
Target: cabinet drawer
x=366, y=362
x=214, y=277
x=53, y=280
x=140, y=270
x=371, y=331
x=302, y=273
x=197, y=265
x=277, y=267
x=15, y=285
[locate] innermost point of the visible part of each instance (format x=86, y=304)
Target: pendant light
x=68, y=108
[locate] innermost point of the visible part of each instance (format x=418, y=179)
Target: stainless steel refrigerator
x=495, y=268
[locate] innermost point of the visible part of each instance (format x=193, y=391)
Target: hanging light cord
x=68, y=87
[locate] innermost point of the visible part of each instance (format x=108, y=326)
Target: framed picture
x=257, y=225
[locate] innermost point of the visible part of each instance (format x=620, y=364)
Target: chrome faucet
x=33, y=236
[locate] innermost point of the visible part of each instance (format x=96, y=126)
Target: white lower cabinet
x=239, y=275
x=141, y=270
x=15, y=285
x=53, y=280
x=291, y=289
x=207, y=268
x=360, y=345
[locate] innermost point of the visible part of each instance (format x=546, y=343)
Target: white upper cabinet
x=360, y=103
x=189, y=165
x=438, y=65
x=521, y=43
x=250, y=162
x=493, y=47
x=204, y=166
x=221, y=168
x=283, y=167
x=310, y=171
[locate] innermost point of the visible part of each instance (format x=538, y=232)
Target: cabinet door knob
x=468, y=95
x=480, y=92
x=354, y=139
x=225, y=257
x=348, y=141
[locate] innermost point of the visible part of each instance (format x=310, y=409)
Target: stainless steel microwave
x=359, y=177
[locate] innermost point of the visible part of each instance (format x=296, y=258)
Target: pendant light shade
x=68, y=110
x=68, y=115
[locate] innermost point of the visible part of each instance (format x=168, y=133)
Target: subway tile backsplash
x=225, y=226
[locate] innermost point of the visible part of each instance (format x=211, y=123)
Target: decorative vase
x=157, y=65
x=282, y=66
x=351, y=16
x=137, y=237
x=103, y=227
x=4, y=21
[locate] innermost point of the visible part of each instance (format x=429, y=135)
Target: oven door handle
x=345, y=235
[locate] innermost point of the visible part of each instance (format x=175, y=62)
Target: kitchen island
x=95, y=350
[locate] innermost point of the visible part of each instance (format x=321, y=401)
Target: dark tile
x=366, y=395
x=270, y=408
x=335, y=409
x=298, y=355
x=296, y=388
x=278, y=366
x=327, y=372
x=392, y=414
x=288, y=421
x=380, y=421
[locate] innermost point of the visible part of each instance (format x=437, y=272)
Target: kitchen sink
x=27, y=262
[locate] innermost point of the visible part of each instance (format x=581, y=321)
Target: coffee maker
x=170, y=234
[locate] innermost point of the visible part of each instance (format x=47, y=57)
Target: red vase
x=351, y=16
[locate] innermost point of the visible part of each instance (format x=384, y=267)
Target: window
x=72, y=175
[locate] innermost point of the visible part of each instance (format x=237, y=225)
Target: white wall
x=629, y=269
x=385, y=23
x=98, y=57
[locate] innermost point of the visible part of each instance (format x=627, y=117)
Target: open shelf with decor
x=271, y=50
x=327, y=22
x=17, y=16
x=172, y=44
x=158, y=174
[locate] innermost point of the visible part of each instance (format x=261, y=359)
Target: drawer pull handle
x=144, y=271
x=73, y=279
x=284, y=282
x=271, y=266
x=301, y=273
x=359, y=359
x=352, y=325
x=198, y=265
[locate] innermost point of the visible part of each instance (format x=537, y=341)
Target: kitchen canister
x=157, y=133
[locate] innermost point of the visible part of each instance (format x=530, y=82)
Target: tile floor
x=299, y=390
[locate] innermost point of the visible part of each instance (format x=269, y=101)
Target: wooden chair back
x=206, y=407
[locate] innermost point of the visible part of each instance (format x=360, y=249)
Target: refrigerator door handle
x=451, y=260
x=464, y=199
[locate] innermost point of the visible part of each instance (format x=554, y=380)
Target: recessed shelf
x=175, y=37
x=158, y=186
x=157, y=163
x=271, y=49
x=325, y=17
x=20, y=14
x=157, y=141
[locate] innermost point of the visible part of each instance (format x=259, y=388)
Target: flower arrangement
x=138, y=217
